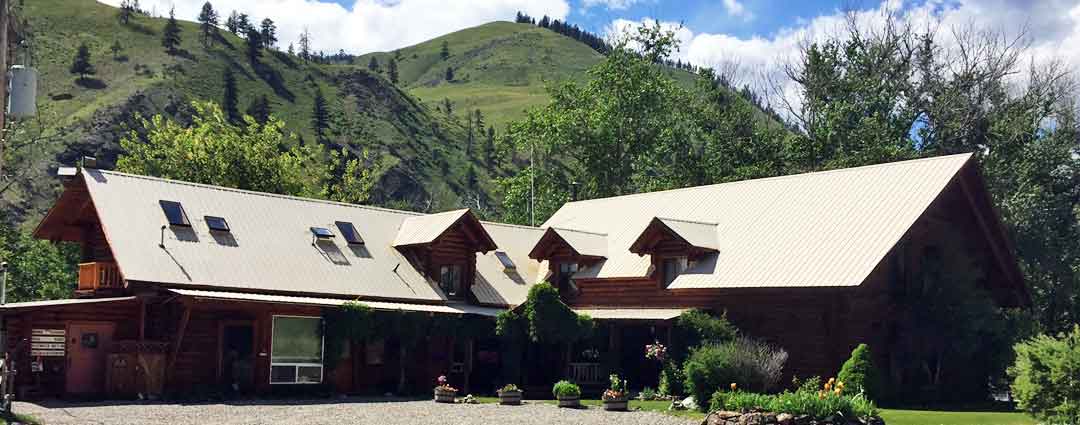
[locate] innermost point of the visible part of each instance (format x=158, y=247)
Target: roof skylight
x=174, y=212
x=216, y=223
x=322, y=232
x=505, y=260
x=348, y=231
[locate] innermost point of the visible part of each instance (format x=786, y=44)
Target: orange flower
x=733, y=386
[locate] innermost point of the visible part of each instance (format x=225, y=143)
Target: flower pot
x=569, y=401
x=510, y=398
x=444, y=396
x=616, y=404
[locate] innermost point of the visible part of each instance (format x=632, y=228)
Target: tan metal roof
x=61, y=303
x=630, y=313
x=695, y=233
x=497, y=285
x=454, y=308
x=826, y=228
x=423, y=229
x=270, y=246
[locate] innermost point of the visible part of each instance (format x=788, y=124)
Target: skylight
x=217, y=223
x=174, y=212
x=505, y=260
x=322, y=232
x=348, y=231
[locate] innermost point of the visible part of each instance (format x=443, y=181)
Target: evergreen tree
x=320, y=116
x=470, y=136
x=208, y=20
x=81, y=65
x=229, y=101
x=254, y=46
x=489, y=147
x=259, y=109
x=479, y=118
x=449, y=73
x=291, y=51
x=127, y=10
x=373, y=65
x=305, y=45
x=170, y=36
x=391, y=70
x=444, y=53
x=233, y=23
x=243, y=24
x=448, y=106
x=116, y=49
x=268, y=33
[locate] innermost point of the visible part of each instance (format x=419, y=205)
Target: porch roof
x=61, y=303
x=644, y=313
x=454, y=308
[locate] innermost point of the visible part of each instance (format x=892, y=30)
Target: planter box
x=565, y=401
x=619, y=405
x=510, y=398
x=442, y=396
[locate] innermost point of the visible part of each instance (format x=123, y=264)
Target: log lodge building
x=185, y=287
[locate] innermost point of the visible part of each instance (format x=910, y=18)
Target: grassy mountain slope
x=500, y=68
x=420, y=150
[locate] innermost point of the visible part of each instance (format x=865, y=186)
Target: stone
x=689, y=403
x=752, y=419
x=785, y=419
x=875, y=420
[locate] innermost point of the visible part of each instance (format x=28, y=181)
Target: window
x=450, y=280
x=216, y=223
x=296, y=352
x=348, y=231
x=505, y=260
x=174, y=212
x=672, y=268
x=322, y=232
x=566, y=270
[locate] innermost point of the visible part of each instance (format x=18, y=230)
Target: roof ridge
x=787, y=176
x=519, y=226
x=579, y=231
x=688, y=221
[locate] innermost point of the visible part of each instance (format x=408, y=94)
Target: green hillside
x=422, y=149
x=500, y=68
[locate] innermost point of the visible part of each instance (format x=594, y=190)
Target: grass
x=19, y=418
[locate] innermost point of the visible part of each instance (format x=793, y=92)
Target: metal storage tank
x=23, y=94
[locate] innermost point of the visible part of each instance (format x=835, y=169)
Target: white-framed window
x=296, y=350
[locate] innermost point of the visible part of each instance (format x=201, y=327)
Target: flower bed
x=827, y=405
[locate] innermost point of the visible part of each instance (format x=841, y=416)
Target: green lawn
x=891, y=416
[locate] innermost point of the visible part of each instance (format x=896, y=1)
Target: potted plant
x=510, y=395
x=568, y=393
x=615, y=397
x=444, y=393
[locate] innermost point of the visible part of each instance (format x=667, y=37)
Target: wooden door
x=87, y=352
x=236, y=367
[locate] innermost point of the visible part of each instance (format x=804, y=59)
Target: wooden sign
x=47, y=342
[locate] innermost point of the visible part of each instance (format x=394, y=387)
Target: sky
x=753, y=37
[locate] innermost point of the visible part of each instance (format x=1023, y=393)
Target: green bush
x=671, y=380
x=566, y=388
x=751, y=365
x=1046, y=377
x=859, y=374
x=818, y=405
x=696, y=327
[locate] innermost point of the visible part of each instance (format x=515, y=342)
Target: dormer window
x=672, y=267
x=450, y=280
x=562, y=278
x=174, y=212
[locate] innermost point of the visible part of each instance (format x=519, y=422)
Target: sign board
x=47, y=342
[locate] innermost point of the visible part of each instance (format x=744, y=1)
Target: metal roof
x=62, y=303
x=630, y=313
x=270, y=246
x=827, y=228
x=456, y=308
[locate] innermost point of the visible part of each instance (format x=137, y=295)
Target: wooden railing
x=584, y=373
x=99, y=275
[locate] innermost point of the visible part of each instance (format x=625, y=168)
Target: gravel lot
x=343, y=411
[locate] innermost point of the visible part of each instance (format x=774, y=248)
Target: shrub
x=810, y=401
x=859, y=374
x=648, y=393
x=510, y=388
x=1046, y=377
x=566, y=388
x=753, y=365
x=695, y=328
x=671, y=380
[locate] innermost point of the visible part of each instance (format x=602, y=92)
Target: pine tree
x=448, y=106
x=233, y=22
x=470, y=136
x=208, y=20
x=116, y=49
x=243, y=24
x=259, y=109
x=268, y=33
x=81, y=65
x=254, y=46
x=489, y=147
x=444, y=53
x=127, y=10
x=229, y=100
x=320, y=116
x=449, y=73
x=291, y=51
x=479, y=118
x=170, y=36
x=305, y=45
x=373, y=65
x=391, y=70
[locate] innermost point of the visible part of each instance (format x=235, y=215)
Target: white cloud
x=610, y=4
x=369, y=25
x=736, y=9
x=1052, y=28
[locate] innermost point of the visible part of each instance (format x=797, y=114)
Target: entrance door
x=238, y=357
x=86, y=357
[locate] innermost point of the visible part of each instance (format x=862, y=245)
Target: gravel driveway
x=343, y=411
